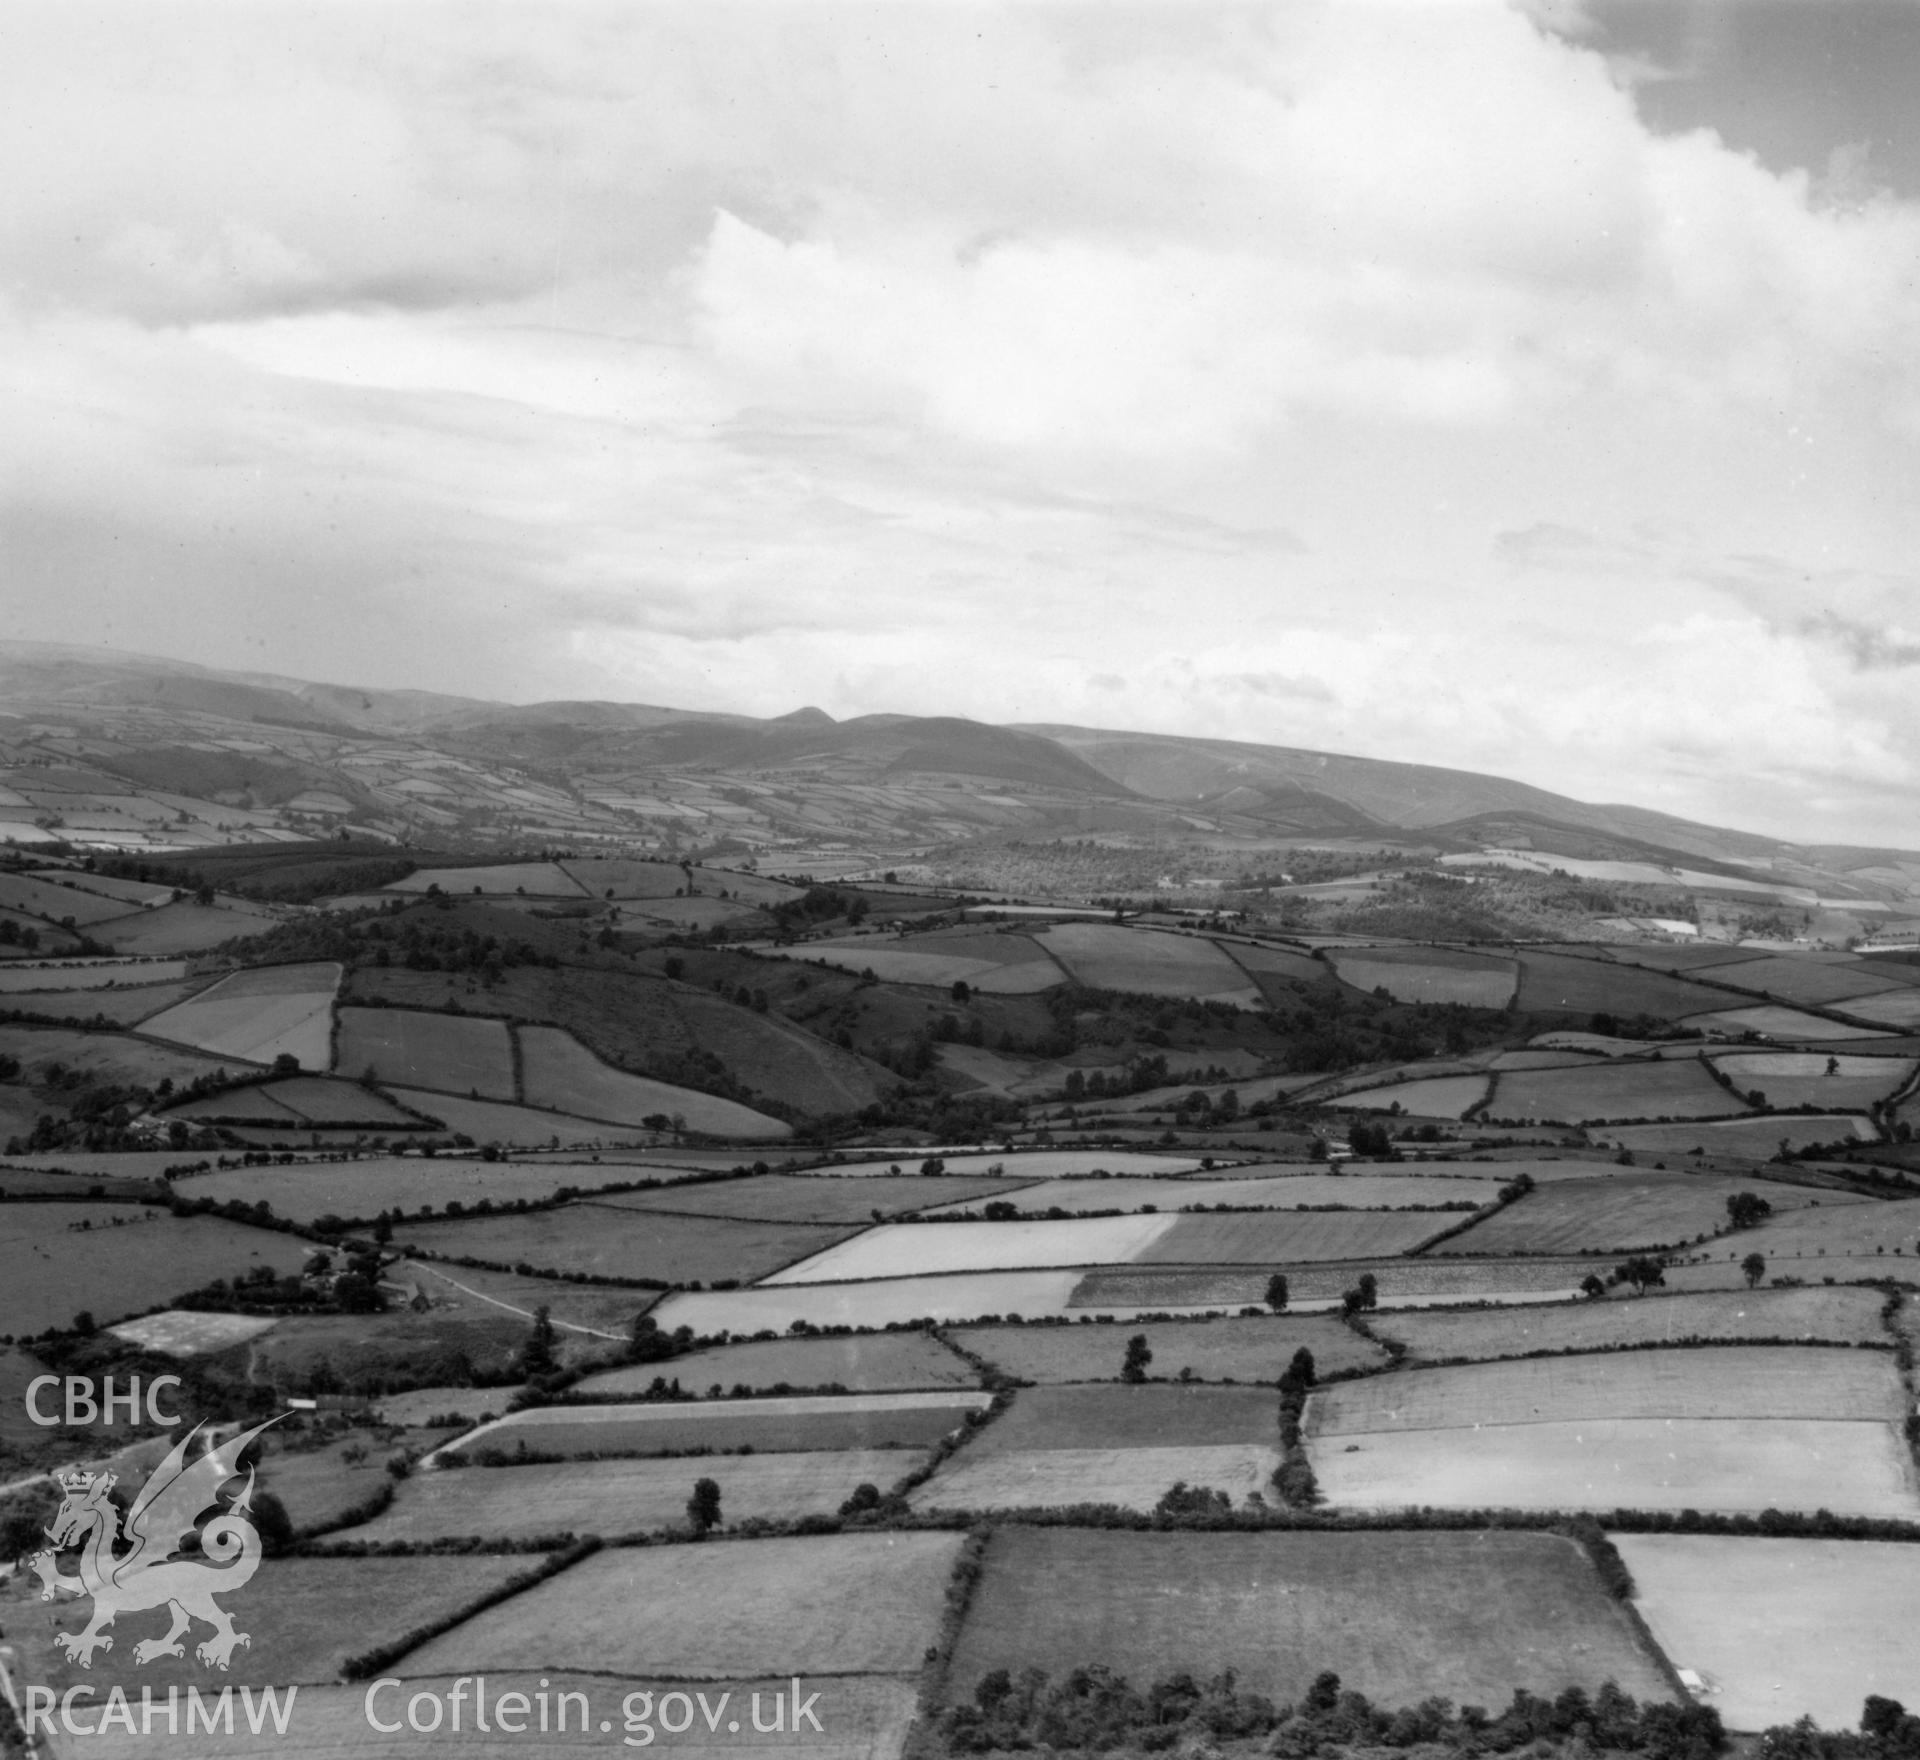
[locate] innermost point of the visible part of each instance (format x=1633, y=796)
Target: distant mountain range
x=287, y=754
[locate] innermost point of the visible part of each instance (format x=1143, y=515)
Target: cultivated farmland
x=963, y=1296
x=558, y=1071
x=124, y=1006
x=535, y=879
x=1758, y=1137
x=309, y=1190
x=1291, y=1237
x=1782, y=1629
x=1272, y=1192
x=180, y=1332
x=1604, y=1464
x=1028, y=1164
x=876, y=1362
x=259, y=1015
x=1214, y=1350
x=86, y=974
x=1401, y=1617
x=40, y=898
x=1852, y=1231
x=1659, y=1088
x=1400, y=1280
x=1628, y=1210
x=1773, y=1022
x=460, y=1053
x=1133, y=1478
x=1732, y=1381
x=781, y=1197
x=492, y=1121
x=1428, y=974
x=1801, y=1078
x=908, y=1249
x=632, y=1244
x=844, y=1603
x=1809, y=983
x=1842, y=1316
x=181, y=928
x=1148, y=1416
x=1892, y=1008
x=1148, y=963
x=1553, y=981
x=1430, y=1097
x=111, y=1057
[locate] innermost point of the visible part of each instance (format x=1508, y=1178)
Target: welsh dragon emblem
x=154, y=1571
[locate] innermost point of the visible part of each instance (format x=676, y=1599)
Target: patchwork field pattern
x=1893, y=1008
x=259, y=1015
x=1782, y=1629
x=1659, y=1088
x=1774, y=1022
x=875, y=1362
x=1810, y=983
x=1402, y=1616
x=1852, y=1231
x=1214, y=1350
x=558, y=1071
x=775, y=1425
x=1133, y=1478
x=1429, y=1097
x=1400, y=1280
x=1550, y=981
x=1801, y=1078
x=1843, y=1316
x=493, y=1121
x=1028, y=1164
x=833, y=1604
x=610, y=1242
x=307, y=1191
x=462, y=1054
x=1291, y=1237
x=1275, y=1192
x=1631, y=1209
x=917, y=1249
x=535, y=879
x=1147, y=962
x=781, y=1197
x=181, y=1332
x=1758, y=1137
x=966, y=1296
x=1428, y=974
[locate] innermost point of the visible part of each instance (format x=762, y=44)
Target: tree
x=286, y=1064
x=1300, y=1372
x=703, y=1507
x=1369, y=1288
x=1277, y=1292
x=1753, y=1267
x=1745, y=1209
x=1592, y=1288
x=272, y=1523
x=537, y=1357
x=1641, y=1271
x=1134, y=1368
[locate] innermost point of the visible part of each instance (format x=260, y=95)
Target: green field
x=1291, y=1237
x=1847, y=1316
x=186, y=1332
x=776, y=1197
x=846, y=1603
x=1630, y=1209
x=833, y=1421
x=1782, y=1629
x=182, y=928
x=1775, y=1022
x=1570, y=985
x=110, y=1057
x=1801, y=1078
x=57, y=903
x=1899, y=1009
x=1132, y=1478
x=509, y=879
x=1853, y=1231
x=259, y=1015
x=1398, y=1280
x=125, y=1005
x=1809, y=983
x=364, y=1188
x=1401, y=1617
x=1732, y=1381
x=1214, y=1350
x=1147, y=963
x=918, y=1249
x=1428, y=974
x=526, y=1127
x=460, y=1053
x=1150, y=1416
x=610, y=1242
x=1757, y=1137
x=877, y=1363
x=558, y=1071
x=1271, y=1189
x=1429, y=1097
x=53, y=1269
x=303, y=1617
x=1656, y=1088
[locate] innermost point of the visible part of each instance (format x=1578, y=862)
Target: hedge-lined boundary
x=921, y=1741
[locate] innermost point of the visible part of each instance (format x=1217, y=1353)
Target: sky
x=1530, y=388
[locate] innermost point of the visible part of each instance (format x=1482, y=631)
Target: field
x=1627, y=1210
x=54, y=1269
x=536, y=879
x=1838, y=1232
x=910, y=1249
x=1774, y=1022
x=180, y=1332
x=1291, y=1237
x=1401, y=1617
x=301, y=1102
x=87, y=974
x=492, y=1121
x=1400, y=1280
x=364, y=1188
x=128, y=892
x=782, y=1197
x=1428, y=974
x=41, y=898
x=181, y=928
x=1272, y=1192
x=303, y=1616
x=259, y=1015
x=1104, y=957
x=125, y=1007
x=1433, y=1097
x=1800, y=1078
x=112, y=1057
x=1895, y=1008
x=558, y=1071
x=1552, y=981
x=1627, y=1463
x=909, y=962
x=1133, y=1478
x=460, y=1053
x=1215, y=1350
x=966, y=1296
x=1730, y=1382
x=1841, y=1315
x=1149, y=1416
x=878, y=1362
x=1807, y=982
x=1757, y=1137
x=766, y=1426
x=1660, y=1088
x=1027, y=1164
x=621, y=1497
x=1782, y=1629
x=630, y=1244
x=844, y=1603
